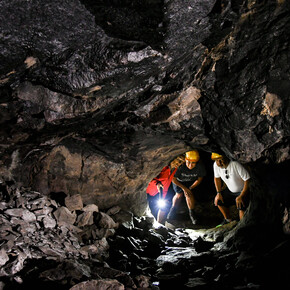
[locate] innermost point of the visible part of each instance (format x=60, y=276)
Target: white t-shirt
x=236, y=173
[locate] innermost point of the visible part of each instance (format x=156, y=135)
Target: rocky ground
x=59, y=242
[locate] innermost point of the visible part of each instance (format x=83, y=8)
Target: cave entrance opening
x=207, y=214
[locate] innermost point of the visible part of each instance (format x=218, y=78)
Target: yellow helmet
x=192, y=156
x=215, y=156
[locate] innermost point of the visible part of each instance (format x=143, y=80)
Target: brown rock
x=91, y=207
x=62, y=214
x=107, y=222
x=74, y=202
x=85, y=219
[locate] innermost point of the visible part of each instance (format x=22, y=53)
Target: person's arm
x=218, y=187
x=240, y=199
x=196, y=183
x=159, y=185
x=184, y=188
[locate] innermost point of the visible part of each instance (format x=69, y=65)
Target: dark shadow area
x=130, y=20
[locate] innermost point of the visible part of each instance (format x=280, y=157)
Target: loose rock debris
x=70, y=245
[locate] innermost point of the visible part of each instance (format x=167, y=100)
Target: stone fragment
x=286, y=220
x=49, y=251
x=174, y=255
x=62, y=214
x=23, y=213
x=2, y=285
x=107, y=222
x=3, y=257
x=200, y=245
x=8, y=246
x=43, y=211
x=91, y=207
x=49, y=222
x=74, y=202
x=102, y=233
x=69, y=226
x=110, y=273
x=142, y=281
x=91, y=249
x=27, y=228
x=12, y=236
x=113, y=210
x=17, y=265
x=3, y=205
x=70, y=248
x=85, y=218
x=111, y=284
x=196, y=283
x=102, y=244
x=5, y=227
x=38, y=203
x=54, y=203
x=98, y=248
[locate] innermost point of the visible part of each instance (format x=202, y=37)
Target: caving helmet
x=215, y=156
x=192, y=156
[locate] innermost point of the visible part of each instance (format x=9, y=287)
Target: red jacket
x=165, y=177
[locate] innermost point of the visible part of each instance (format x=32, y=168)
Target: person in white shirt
x=231, y=181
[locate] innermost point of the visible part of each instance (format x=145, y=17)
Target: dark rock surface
x=42, y=248
x=96, y=97
x=82, y=94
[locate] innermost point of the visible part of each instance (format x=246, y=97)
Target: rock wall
x=97, y=105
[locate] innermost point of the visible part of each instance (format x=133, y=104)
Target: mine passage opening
x=171, y=204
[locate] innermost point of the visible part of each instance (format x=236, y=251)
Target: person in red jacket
x=160, y=189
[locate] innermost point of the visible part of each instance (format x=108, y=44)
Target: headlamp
x=161, y=203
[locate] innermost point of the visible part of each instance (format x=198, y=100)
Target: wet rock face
x=97, y=96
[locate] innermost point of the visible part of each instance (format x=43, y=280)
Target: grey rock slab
x=23, y=213
x=3, y=257
x=175, y=254
x=49, y=222
x=101, y=284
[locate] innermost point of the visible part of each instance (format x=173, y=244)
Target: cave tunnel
x=96, y=97
x=205, y=193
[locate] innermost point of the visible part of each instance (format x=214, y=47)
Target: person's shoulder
x=235, y=163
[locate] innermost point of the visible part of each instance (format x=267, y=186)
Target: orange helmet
x=192, y=156
x=215, y=156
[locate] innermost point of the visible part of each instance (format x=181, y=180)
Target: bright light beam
x=161, y=203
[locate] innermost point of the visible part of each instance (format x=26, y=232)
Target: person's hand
x=217, y=198
x=187, y=192
x=239, y=202
x=159, y=186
